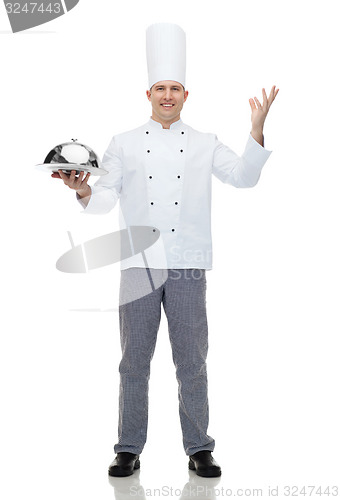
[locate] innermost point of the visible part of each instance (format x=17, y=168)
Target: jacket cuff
x=102, y=200
x=256, y=151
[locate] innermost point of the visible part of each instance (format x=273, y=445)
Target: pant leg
x=184, y=303
x=139, y=324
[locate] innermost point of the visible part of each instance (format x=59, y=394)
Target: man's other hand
x=78, y=183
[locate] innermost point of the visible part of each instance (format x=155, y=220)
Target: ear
x=148, y=95
x=186, y=93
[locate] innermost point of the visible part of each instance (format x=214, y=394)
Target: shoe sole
x=123, y=473
x=207, y=473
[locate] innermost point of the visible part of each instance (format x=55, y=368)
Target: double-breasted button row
x=152, y=203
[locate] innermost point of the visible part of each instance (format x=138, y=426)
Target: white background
x=273, y=295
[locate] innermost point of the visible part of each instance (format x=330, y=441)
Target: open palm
x=259, y=111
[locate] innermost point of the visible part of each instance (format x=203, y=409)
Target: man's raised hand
x=259, y=111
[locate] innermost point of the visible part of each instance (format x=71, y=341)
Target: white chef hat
x=165, y=53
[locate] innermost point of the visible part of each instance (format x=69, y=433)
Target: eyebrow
x=171, y=86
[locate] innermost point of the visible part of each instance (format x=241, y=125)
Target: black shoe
x=124, y=464
x=204, y=464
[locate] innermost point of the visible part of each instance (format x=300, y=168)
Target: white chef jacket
x=163, y=180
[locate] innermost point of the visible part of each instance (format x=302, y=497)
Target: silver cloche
x=72, y=156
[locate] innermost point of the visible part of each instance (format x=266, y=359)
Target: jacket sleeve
x=239, y=171
x=106, y=191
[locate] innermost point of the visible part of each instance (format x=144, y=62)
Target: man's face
x=167, y=99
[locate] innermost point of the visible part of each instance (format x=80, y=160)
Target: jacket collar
x=174, y=126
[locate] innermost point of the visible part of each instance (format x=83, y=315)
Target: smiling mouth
x=167, y=105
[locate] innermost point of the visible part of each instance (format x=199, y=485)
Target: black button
x=178, y=176
x=147, y=132
x=148, y=151
x=176, y=202
x=150, y=176
x=181, y=150
x=152, y=203
x=182, y=133
x=173, y=230
x=154, y=230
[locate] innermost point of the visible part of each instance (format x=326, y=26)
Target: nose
x=168, y=94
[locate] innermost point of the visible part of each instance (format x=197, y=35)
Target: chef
x=161, y=172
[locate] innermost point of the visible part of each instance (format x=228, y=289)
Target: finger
x=86, y=178
x=272, y=94
x=63, y=175
x=72, y=176
x=80, y=178
x=55, y=175
x=259, y=105
x=265, y=98
x=252, y=104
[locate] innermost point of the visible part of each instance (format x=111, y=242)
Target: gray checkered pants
x=182, y=292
